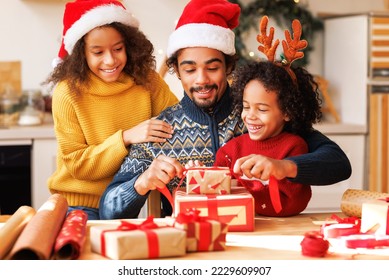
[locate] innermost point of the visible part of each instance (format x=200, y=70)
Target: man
x=202, y=54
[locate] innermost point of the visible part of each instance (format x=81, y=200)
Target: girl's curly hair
x=140, y=60
x=300, y=102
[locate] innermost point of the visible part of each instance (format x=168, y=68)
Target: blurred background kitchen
x=30, y=35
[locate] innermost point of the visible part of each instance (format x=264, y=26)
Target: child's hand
x=193, y=163
x=148, y=131
x=261, y=167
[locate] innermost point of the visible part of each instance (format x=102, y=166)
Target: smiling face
x=261, y=113
x=105, y=53
x=203, y=75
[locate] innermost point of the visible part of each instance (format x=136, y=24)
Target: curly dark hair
x=301, y=102
x=140, y=60
x=231, y=60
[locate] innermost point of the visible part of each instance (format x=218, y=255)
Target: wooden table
x=273, y=239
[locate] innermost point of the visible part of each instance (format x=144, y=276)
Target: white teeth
x=252, y=127
x=204, y=92
x=110, y=70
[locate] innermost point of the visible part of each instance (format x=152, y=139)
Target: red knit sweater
x=294, y=197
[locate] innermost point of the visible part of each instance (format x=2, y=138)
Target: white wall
x=30, y=31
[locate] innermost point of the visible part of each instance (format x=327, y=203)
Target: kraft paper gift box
x=208, y=180
x=375, y=215
x=130, y=241
x=235, y=209
x=203, y=234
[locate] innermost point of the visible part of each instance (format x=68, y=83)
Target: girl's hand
x=148, y=131
x=261, y=167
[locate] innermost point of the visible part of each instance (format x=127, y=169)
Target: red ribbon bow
x=190, y=217
x=147, y=226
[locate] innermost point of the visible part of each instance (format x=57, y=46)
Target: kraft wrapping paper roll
x=11, y=230
x=352, y=200
x=37, y=239
x=71, y=238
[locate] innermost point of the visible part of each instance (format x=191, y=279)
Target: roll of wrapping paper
x=13, y=228
x=37, y=239
x=352, y=200
x=71, y=238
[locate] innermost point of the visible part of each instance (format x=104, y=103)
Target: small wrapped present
x=203, y=234
x=375, y=215
x=208, y=180
x=137, y=241
x=235, y=209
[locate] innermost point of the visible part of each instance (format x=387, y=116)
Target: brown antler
x=268, y=49
x=292, y=46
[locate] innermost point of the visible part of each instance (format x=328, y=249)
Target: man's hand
x=161, y=171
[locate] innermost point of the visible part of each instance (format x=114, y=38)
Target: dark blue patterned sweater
x=197, y=135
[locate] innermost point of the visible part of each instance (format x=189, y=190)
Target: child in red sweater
x=277, y=105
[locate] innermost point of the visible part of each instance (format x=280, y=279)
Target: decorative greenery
x=283, y=12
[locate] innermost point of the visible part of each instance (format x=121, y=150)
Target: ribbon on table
x=190, y=217
x=72, y=236
x=148, y=227
x=369, y=241
x=314, y=244
x=342, y=227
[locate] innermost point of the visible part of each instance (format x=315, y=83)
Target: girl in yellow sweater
x=106, y=92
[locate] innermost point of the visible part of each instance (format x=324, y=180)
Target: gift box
x=235, y=209
x=208, y=180
x=375, y=215
x=137, y=241
x=202, y=234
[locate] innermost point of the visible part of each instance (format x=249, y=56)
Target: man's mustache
x=207, y=87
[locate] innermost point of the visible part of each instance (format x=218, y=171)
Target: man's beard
x=205, y=104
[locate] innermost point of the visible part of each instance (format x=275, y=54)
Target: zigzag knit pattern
x=190, y=141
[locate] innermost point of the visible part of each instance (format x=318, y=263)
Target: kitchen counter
x=44, y=131
x=340, y=128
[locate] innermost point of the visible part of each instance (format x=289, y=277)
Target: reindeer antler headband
x=291, y=46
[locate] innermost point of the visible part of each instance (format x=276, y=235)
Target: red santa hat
x=81, y=16
x=206, y=23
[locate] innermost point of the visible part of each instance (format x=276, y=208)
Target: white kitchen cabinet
x=44, y=153
x=328, y=198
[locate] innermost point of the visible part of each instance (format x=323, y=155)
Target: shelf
x=340, y=128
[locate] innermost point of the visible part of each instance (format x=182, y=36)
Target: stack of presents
x=204, y=211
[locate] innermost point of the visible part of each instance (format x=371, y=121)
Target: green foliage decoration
x=283, y=12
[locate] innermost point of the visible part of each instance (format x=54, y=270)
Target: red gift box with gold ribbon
x=147, y=240
x=208, y=180
x=235, y=209
x=203, y=234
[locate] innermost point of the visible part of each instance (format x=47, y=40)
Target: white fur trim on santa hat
x=202, y=35
x=95, y=17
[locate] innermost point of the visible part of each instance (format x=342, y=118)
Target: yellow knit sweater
x=89, y=129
